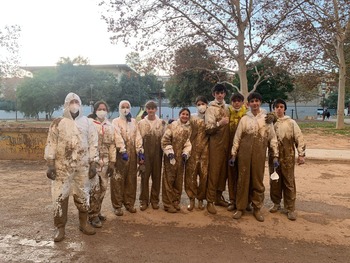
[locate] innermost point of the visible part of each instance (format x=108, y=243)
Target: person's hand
x=231, y=162
x=270, y=118
x=184, y=158
x=110, y=169
x=125, y=156
x=141, y=158
x=51, y=170
x=301, y=160
x=275, y=163
x=224, y=121
x=171, y=156
x=92, y=170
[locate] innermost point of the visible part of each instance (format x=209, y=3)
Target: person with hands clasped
x=218, y=129
x=107, y=158
x=289, y=137
x=176, y=146
x=72, y=156
x=129, y=150
x=253, y=135
x=151, y=129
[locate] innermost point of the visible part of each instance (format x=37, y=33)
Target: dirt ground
x=320, y=234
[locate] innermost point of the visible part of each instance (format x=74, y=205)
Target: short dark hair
x=280, y=101
x=151, y=105
x=254, y=95
x=202, y=99
x=219, y=88
x=237, y=96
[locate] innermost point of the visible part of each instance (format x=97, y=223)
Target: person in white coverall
x=124, y=182
x=107, y=158
x=71, y=155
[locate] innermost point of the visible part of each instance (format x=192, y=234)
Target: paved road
x=328, y=155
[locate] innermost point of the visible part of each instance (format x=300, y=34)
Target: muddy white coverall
x=289, y=137
x=218, y=149
x=251, y=140
x=124, y=182
x=107, y=153
x=197, y=165
x=72, y=144
x=151, y=132
x=176, y=140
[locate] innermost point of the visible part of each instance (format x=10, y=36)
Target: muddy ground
x=320, y=234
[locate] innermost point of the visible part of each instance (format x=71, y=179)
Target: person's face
x=101, y=107
x=279, y=110
x=219, y=95
x=125, y=106
x=184, y=116
x=151, y=111
x=74, y=102
x=236, y=104
x=254, y=104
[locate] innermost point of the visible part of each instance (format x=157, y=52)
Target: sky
x=51, y=29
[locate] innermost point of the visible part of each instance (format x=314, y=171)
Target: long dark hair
x=96, y=105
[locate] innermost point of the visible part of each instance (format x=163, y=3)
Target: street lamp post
x=91, y=101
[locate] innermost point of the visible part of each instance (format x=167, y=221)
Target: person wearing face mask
x=218, y=129
x=237, y=111
x=72, y=156
x=107, y=158
x=197, y=164
x=176, y=146
x=124, y=182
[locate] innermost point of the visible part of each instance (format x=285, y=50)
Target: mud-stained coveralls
x=218, y=149
x=107, y=153
x=235, y=117
x=151, y=132
x=124, y=182
x=176, y=140
x=197, y=164
x=289, y=136
x=72, y=144
x=251, y=140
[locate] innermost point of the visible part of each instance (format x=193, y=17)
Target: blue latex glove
x=171, y=156
x=275, y=163
x=125, y=156
x=184, y=157
x=141, y=156
x=231, y=162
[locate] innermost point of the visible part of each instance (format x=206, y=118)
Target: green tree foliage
x=332, y=101
x=276, y=83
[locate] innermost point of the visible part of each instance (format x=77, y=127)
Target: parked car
x=319, y=111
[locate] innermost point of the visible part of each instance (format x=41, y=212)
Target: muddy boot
x=231, y=206
x=143, y=206
x=220, y=201
x=238, y=214
x=211, y=208
x=291, y=215
x=118, y=212
x=258, y=215
x=170, y=209
x=191, y=205
x=96, y=222
x=59, y=234
x=102, y=217
x=249, y=208
x=130, y=208
x=275, y=208
x=177, y=206
x=155, y=206
x=200, y=204
x=83, y=224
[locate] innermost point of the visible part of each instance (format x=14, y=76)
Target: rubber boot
x=200, y=204
x=60, y=221
x=211, y=208
x=84, y=226
x=191, y=205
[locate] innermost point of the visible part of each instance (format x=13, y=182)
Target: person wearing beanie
x=124, y=182
x=289, y=138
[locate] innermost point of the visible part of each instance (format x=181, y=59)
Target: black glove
x=110, y=169
x=275, y=163
x=184, y=158
x=92, y=170
x=270, y=118
x=171, y=156
x=231, y=162
x=51, y=170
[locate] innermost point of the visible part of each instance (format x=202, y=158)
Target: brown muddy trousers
x=289, y=136
x=176, y=140
x=218, y=150
x=197, y=165
x=151, y=133
x=252, y=137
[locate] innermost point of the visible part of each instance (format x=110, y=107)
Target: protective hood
x=71, y=96
x=121, y=115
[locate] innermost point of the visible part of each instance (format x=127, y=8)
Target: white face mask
x=201, y=108
x=101, y=114
x=125, y=111
x=74, y=108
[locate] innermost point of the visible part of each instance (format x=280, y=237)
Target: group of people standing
x=217, y=146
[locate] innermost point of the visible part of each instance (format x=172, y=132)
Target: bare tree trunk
x=341, y=85
x=296, y=111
